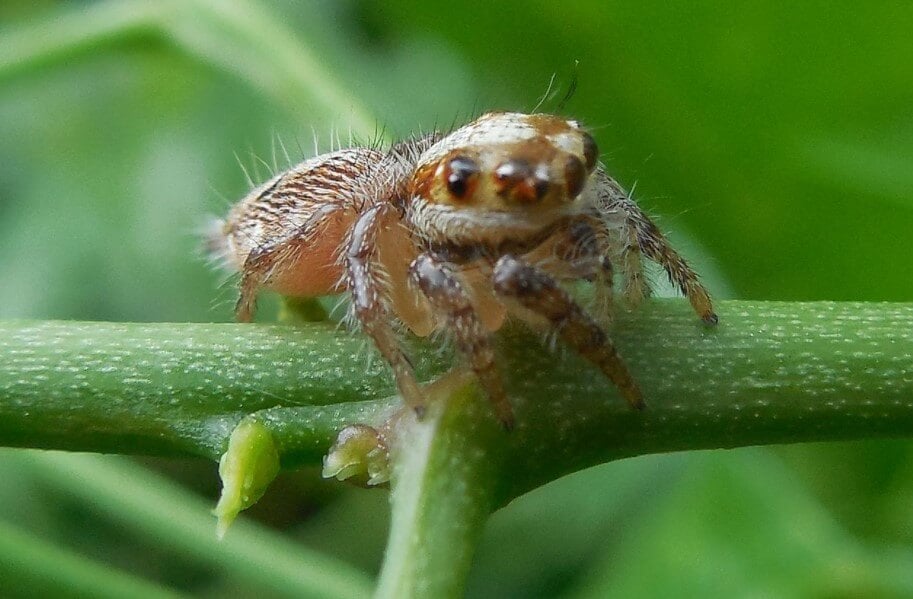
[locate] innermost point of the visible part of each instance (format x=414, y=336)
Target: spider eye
x=590, y=151
x=574, y=176
x=513, y=171
x=461, y=174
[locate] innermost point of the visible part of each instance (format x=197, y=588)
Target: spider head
x=507, y=162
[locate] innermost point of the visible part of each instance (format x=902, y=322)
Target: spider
x=456, y=232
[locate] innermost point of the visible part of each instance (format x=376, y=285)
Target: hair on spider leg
x=339, y=145
x=227, y=281
x=218, y=303
x=212, y=246
x=254, y=165
x=550, y=340
x=346, y=320
x=332, y=133
x=315, y=137
x=301, y=155
x=369, y=352
x=380, y=135
x=444, y=348
x=223, y=199
x=335, y=137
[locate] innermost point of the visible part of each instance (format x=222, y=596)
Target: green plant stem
x=769, y=373
x=174, y=389
x=443, y=489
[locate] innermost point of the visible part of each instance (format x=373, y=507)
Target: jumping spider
x=455, y=232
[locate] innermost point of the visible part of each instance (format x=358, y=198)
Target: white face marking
x=507, y=162
x=568, y=142
x=491, y=129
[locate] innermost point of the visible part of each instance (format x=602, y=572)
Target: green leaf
x=171, y=516
x=30, y=566
x=740, y=524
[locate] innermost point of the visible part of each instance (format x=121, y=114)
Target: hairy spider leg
x=604, y=284
x=255, y=272
x=365, y=280
x=642, y=237
x=596, y=243
x=535, y=290
x=265, y=263
x=582, y=251
x=449, y=298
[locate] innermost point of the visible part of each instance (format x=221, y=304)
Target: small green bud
x=247, y=468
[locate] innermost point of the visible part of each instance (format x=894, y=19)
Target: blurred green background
x=773, y=140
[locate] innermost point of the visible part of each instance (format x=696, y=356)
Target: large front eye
x=461, y=175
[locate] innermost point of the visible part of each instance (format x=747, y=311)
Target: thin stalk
x=443, y=489
x=769, y=373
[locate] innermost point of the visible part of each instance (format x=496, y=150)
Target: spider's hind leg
x=246, y=306
x=278, y=265
x=259, y=268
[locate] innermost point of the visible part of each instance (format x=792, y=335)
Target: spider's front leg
x=449, y=298
x=365, y=281
x=538, y=292
x=641, y=236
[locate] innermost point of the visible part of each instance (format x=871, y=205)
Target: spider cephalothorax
x=456, y=233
